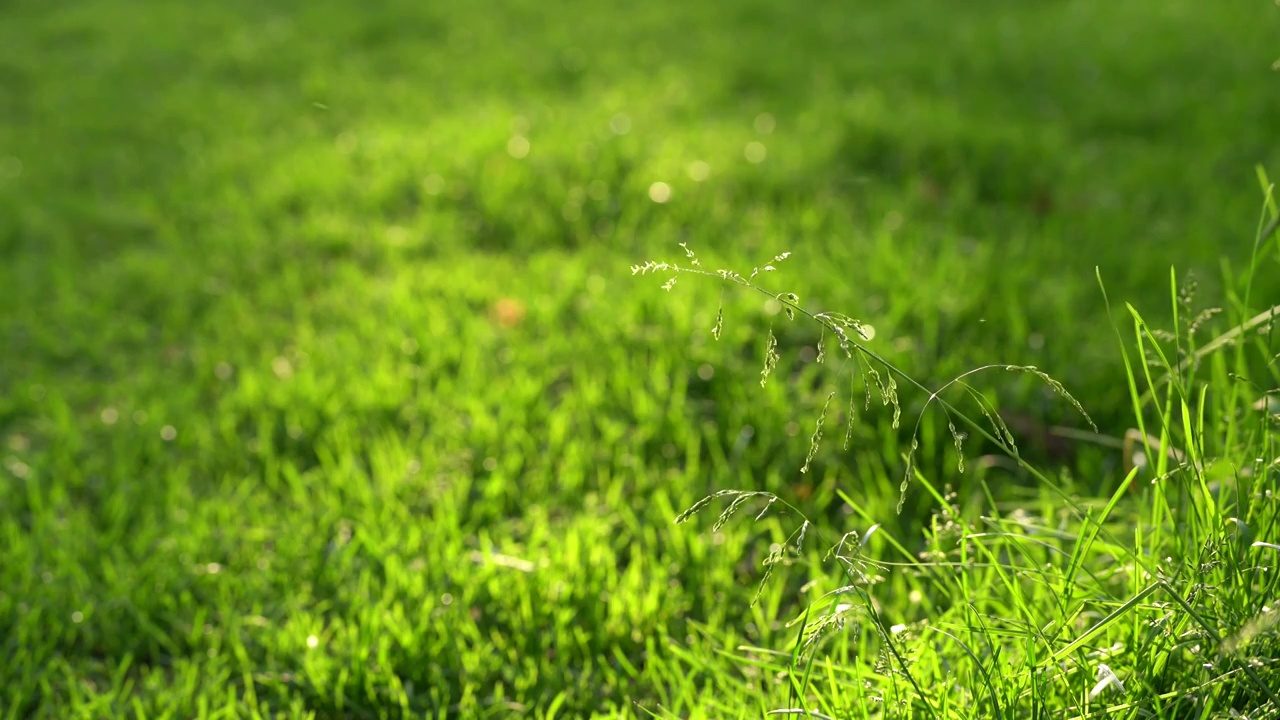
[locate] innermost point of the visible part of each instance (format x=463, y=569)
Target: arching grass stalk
x=852, y=335
x=844, y=328
x=1199, y=542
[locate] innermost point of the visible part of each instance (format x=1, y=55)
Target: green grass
x=316, y=400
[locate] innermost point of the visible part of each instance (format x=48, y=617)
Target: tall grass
x=1158, y=599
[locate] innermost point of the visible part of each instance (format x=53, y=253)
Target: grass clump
x=1023, y=595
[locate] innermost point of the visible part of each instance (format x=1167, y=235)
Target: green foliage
x=1018, y=584
x=324, y=392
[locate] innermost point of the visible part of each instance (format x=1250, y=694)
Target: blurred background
x=326, y=384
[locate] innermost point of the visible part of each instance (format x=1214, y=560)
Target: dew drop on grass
x=660, y=192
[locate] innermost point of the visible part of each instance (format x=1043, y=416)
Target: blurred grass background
x=326, y=387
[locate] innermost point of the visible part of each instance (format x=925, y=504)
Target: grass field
x=327, y=390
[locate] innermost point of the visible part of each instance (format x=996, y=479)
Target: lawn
x=327, y=388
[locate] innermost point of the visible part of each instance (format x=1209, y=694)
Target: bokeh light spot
x=660, y=192
x=433, y=184
x=282, y=367
x=17, y=467
x=508, y=312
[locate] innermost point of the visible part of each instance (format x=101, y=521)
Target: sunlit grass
x=326, y=390
x=1033, y=592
